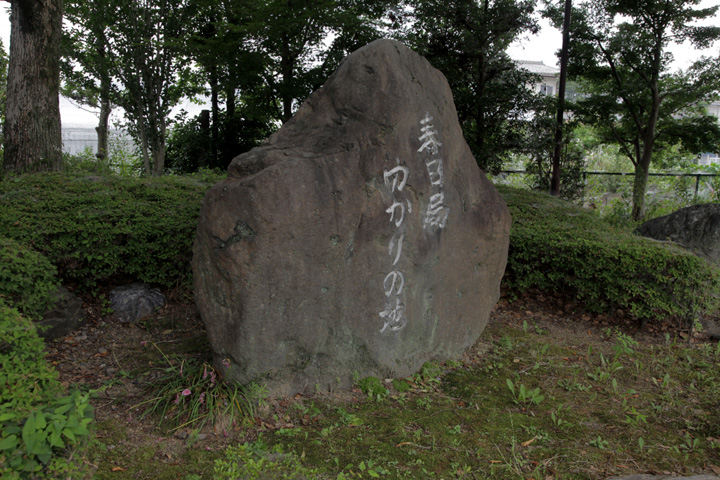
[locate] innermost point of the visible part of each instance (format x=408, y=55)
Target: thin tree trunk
x=33, y=140
x=215, y=126
x=144, y=145
x=642, y=168
x=158, y=152
x=103, y=125
x=555, y=180
x=230, y=144
x=105, y=106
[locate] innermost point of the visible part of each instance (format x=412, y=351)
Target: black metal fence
x=697, y=176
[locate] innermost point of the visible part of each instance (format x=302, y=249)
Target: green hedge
x=40, y=426
x=556, y=246
x=93, y=228
x=28, y=280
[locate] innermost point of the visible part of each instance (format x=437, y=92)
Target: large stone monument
x=360, y=239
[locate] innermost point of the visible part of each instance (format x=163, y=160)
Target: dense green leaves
x=557, y=247
x=28, y=280
x=466, y=41
x=93, y=228
x=39, y=423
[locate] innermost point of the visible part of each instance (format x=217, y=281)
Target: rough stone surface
x=134, y=302
x=696, y=228
x=66, y=316
x=360, y=239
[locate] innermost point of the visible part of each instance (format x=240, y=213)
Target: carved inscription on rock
x=437, y=212
x=393, y=316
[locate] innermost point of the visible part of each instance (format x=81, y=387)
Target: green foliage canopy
x=618, y=52
x=466, y=40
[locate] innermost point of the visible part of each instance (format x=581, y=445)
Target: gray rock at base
x=361, y=239
x=664, y=477
x=134, y=302
x=66, y=316
x=696, y=228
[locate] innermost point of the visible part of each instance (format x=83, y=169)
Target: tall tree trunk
x=230, y=144
x=103, y=125
x=105, y=106
x=642, y=167
x=215, y=125
x=33, y=140
x=555, y=179
x=158, y=151
x=639, y=188
x=144, y=148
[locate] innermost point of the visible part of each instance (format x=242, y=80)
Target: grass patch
x=609, y=406
x=191, y=393
x=119, y=456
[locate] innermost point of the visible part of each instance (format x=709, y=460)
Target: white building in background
x=548, y=84
x=78, y=137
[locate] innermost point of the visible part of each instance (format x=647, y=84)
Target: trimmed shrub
x=40, y=427
x=28, y=280
x=93, y=228
x=558, y=247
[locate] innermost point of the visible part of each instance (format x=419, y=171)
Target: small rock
x=181, y=434
x=134, y=302
x=201, y=436
x=66, y=316
x=103, y=351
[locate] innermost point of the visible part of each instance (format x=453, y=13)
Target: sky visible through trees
x=536, y=47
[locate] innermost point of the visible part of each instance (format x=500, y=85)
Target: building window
x=546, y=90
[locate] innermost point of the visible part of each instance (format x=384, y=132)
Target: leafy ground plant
x=41, y=425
